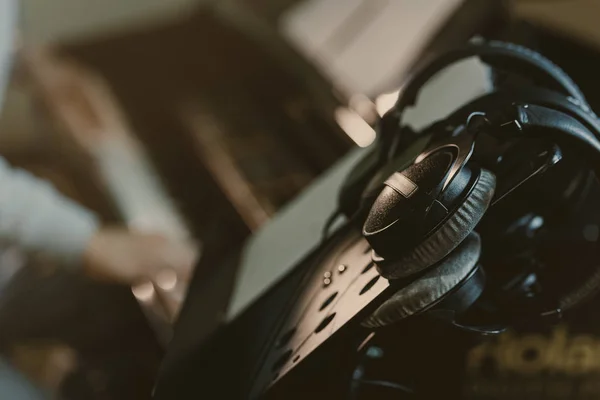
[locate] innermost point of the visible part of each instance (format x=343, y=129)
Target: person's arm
x=37, y=218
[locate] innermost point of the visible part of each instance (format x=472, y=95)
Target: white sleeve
x=37, y=218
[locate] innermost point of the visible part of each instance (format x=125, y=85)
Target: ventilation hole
x=325, y=322
x=530, y=354
x=285, y=338
x=368, y=267
x=328, y=301
x=369, y=285
x=296, y=358
x=281, y=361
x=367, y=249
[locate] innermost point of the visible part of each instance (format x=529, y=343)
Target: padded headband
x=505, y=56
x=541, y=121
x=558, y=120
x=538, y=96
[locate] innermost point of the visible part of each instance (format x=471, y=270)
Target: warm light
x=386, y=101
x=166, y=279
x=355, y=127
x=143, y=292
x=364, y=107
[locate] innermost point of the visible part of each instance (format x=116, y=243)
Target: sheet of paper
x=364, y=46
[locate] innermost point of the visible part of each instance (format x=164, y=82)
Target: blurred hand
x=119, y=255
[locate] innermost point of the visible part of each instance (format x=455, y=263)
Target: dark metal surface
x=338, y=288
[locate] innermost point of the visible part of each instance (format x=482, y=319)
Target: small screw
x=341, y=268
x=327, y=275
x=326, y=281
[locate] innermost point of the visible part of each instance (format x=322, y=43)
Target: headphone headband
x=538, y=96
x=505, y=56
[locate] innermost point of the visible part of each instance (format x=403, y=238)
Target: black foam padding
x=429, y=289
x=448, y=236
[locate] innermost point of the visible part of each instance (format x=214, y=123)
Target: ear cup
x=448, y=236
x=426, y=291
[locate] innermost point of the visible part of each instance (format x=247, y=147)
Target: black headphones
x=420, y=213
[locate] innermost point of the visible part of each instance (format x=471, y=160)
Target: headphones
x=419, y=197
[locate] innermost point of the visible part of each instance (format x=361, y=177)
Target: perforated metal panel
x=340, y=285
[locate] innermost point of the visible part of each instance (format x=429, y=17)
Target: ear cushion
x=426, y=291
x=448, y=236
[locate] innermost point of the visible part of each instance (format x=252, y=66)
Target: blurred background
x=203, y=118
